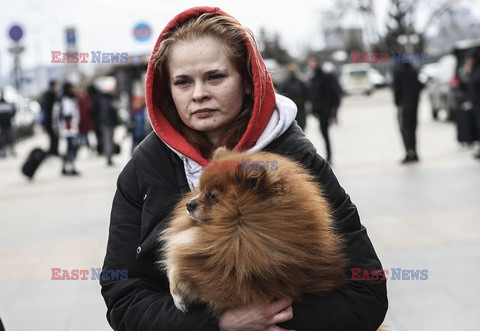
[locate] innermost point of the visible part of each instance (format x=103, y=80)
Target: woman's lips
x=201, y=113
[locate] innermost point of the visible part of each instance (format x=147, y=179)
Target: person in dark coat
x=50, y=123
x=472, y=84
x=406, y=90
x=297, y=91
x=137, y=121
x=94, y=97
x=7, y=113
x=106, y=117
x=200, y=95
x=86, y=122
x=325, y=96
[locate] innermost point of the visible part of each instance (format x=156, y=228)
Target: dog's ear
x=258, y=179
x=221, y=152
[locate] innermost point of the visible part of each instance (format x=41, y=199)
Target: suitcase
x=34, y=159
x=465, y=120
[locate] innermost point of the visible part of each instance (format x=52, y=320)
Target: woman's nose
x=200, y=92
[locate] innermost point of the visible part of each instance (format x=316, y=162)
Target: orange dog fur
x=251, y=234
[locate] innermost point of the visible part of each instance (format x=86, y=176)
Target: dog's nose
x=191, y=205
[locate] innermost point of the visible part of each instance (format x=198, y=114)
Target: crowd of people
x=75, y=115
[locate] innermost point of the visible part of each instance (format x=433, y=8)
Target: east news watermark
x=385, y=57
x=88, y=274
x=391, y=274
x=247, y=165
x=89, y=57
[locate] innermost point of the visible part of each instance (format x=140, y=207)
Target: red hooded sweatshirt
x=264, y=95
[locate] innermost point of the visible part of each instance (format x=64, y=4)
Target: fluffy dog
x=257, y=229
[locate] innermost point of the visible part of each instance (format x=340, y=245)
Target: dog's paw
x=179, y=303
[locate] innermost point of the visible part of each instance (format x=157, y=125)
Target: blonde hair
x=234, y=37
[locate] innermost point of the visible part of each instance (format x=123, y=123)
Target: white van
x=355, y=79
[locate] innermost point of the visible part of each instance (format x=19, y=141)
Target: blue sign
x=15, y=33
x=70, y=33
x=142, y=32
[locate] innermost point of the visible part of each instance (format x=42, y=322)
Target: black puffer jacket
x=149, y=187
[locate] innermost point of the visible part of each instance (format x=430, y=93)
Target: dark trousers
x=71, y=154
x=407, y=120
x=324, y=124
x=7, y=139
x=476, y=115
x=53, y=137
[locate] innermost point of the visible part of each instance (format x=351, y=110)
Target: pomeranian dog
x=257, y=229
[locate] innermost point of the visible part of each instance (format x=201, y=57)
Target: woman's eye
x=212, y=197
x=216, y=76
x=180, y=82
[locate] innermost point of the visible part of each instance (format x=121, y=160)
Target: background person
x=106, y=116
x=472, y=84
x=406, y=90
x=325, y=96
x=86, y=124
x=68, y=124
x=7, y=139
x=297, y=91
x=207, y=86
x=137, y=121
x=50, y=124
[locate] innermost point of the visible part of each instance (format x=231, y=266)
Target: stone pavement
x=422, y=216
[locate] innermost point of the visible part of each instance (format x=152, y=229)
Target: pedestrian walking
x=137, y=121
x=50, y=123
x=108, y=119
x=472, y=84
x=294, y=88
x=325, y=97
x=86, y=124
x=406, y=90
x=7, y=136
x=207, y=86
x=69, y=119
x=94, y=97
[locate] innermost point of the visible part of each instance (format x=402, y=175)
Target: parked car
x=439, y=86
x=354, y=78
x=376, y=78
x=26, y=113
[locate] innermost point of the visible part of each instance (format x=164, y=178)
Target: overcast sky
x=107, y=26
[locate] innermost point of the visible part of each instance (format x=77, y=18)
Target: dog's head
x=232, y=186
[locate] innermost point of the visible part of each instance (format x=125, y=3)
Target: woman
x=69, y=127
x=472, y=84
x=207, y=86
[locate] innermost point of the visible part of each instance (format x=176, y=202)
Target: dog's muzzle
x=191, y=205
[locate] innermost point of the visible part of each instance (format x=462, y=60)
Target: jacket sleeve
x=360, y=304
x=141, y=301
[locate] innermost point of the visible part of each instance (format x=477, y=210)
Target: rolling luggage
x=34, y=159
x=465, y=118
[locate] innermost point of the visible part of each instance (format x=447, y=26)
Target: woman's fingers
x=284, y=315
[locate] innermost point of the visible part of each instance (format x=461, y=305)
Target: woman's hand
x=257, y=316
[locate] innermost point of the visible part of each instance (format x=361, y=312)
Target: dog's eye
x=211, y=196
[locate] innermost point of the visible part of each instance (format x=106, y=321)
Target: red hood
x=264, y=96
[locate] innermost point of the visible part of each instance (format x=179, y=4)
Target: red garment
x=264, y=95
x=86, y=123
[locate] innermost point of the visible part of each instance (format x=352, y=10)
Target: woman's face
x=207, y=90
